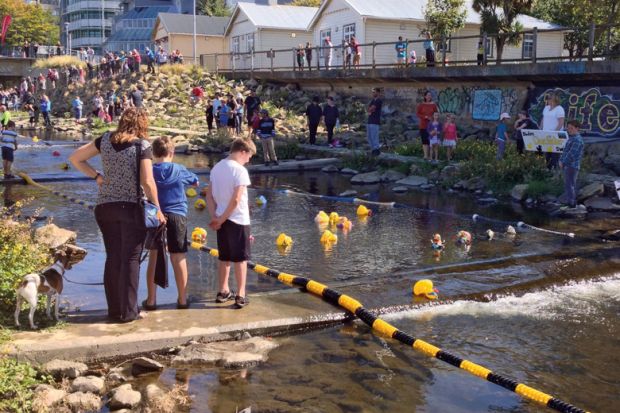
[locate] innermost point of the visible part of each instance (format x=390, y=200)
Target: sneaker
x=223, y=297
x=266, y=164
x=276, y=162
x=241, y=302
x=375, y=152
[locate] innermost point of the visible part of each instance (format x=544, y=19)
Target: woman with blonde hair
x=552, y=120
x=118, y=212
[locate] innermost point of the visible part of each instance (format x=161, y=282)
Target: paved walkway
x=88, y=335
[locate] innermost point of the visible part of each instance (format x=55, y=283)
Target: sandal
x=225, y=296
x=182, y=306
x=241, y=302
x=148, y=307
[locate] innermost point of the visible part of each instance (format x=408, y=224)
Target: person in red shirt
x=425, y=111
x=197, y=94
x=449, y=136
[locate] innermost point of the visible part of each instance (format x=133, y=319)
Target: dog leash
x=79, y=283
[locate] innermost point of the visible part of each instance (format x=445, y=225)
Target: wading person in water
x=117, y=211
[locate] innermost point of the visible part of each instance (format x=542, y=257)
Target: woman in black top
x=309, y=55
x=209, y=113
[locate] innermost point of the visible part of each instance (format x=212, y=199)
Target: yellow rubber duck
x=36, y=139
x=261, y=200
x=345, y=224
x=191, y=192
x=362, y=211
x=284, y=240
x=334, y=218
x=425, y=288
x=321, y=218
x=329, y=237
x=199, y=235
x=64, y=166
x=200, y=204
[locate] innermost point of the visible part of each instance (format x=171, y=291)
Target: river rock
x=448, y=172
x=328, y=169
x=392, y=176
x=88, y=384
x=601, y=204
x=519, y=192
x=400, y=189
x=226, y=353
x=348, y=171
x=297, y=394
x=53, y=236
x=488, y=200
x=367, y=178
x=348, y=193
x=124, y=397
x=46, y=396
x=427, y=187
x=413, y=180
x=143, y=365
x=83, y=402
x=475, y=183
x=152, y=392
x=613, y=162
x=64, y=368
x=590, y=190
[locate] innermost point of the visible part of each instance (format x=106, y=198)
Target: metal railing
x=32, y=52
x=452, y=51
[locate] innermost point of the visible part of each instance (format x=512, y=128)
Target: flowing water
x=538, y=308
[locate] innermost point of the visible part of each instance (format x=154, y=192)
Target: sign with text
x=617, y=183
x=544, y=141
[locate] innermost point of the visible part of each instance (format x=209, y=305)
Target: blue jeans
x=78, y=114
x=570, y=185
x=501, y=146
x=372, y=134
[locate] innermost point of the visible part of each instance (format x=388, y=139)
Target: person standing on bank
x=266, y=132
x=570, y=162
x=430, y=50
x=374, y=121
x=227, y=202
x=314, y=114
x=331, y=117
x=552, y=120
x=309, y=55
x=118, y=213
x=523, y=122
x=328, y=52
x=480, y=54
x=301, y=54
x=425, y=111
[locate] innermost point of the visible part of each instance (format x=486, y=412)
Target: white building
x=82, y=22
x=385, y=20
x=263, y=27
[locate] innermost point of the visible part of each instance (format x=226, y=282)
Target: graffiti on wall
x=598, y=111
x=476, y=102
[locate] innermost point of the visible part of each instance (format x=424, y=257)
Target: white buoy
x=520, y=224
x=474, y=217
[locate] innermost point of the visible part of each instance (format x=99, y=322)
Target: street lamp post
x=67, y=40
x=194, y=10
x=102, y=24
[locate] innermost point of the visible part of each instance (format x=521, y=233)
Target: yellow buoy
x=321, y=218
x=36, y=139
x=362, y=211
x=284, y=240
x=199, y=235
x=329, y=237
x=200, y=204
x=334, y=218
x=191, y=192
x=425, y=288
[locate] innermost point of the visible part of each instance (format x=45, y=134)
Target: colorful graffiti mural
x=596, y=109
x=478, y=102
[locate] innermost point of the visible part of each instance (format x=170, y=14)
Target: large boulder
x=590, y=190
x=53, y=236
x=143, y=365
x=449, y=172
x=88, y=384
x=124, y=397
x=366, y=178
x=240, y=353
x=613, y=162
x=46, y=396
x=83, y=402
x=519, y=192
x=392, y=176
x=64, y=368
x=601, y=204
x=413, y=180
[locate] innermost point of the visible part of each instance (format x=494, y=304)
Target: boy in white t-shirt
x=227, y=202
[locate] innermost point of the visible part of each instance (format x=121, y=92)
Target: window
x=235, y=44
x=249, y=42
x=448, y=45
x=488, y=48
x=324, y=34
x=348, y=31
x=527, y=49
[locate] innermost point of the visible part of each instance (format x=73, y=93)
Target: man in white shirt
x=227, y=202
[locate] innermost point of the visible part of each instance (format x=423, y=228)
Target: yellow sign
x=544, y=141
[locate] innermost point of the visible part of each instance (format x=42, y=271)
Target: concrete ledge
x=88, y=336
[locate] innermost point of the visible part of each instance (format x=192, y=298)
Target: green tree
x=213, y=8
x=307, y=3
x=444, y=17
x=499, y=18
x=29, y=22
x=578, y=15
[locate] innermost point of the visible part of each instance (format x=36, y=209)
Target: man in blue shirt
x=570, y=162
x=401, y=51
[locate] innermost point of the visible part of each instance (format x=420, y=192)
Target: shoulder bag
x=147, y=211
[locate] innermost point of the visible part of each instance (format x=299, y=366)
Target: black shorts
x=424, y=137
x=7, y=154
x=176, y=233
x=231, y=124
x=233, y=242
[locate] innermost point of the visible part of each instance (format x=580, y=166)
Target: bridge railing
x=32, y=52
x=534, y=47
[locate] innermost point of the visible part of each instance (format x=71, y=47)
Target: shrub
x=58, y=62
x=409, y=149
x=174, y=69
x=19, y=255
x=17, y=381
x=536, y=189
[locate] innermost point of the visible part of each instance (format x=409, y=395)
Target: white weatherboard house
x=384, y=20
x=262, y=27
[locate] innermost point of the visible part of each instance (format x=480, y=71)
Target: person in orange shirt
x=425, y=111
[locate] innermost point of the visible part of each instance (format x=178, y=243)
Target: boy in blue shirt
x=501, y=135
x=171, y=179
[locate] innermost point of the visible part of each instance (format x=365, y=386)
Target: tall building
x=51, y=5
x=87, y=23
x=132, y=29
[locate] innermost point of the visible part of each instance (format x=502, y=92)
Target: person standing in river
x=118, y=213
x=570, y=162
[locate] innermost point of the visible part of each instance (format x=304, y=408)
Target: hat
x=504, y=116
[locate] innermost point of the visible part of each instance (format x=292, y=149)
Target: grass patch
x=360, y=162
x=536, y=189
x=58, y=62
x=17, y=383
